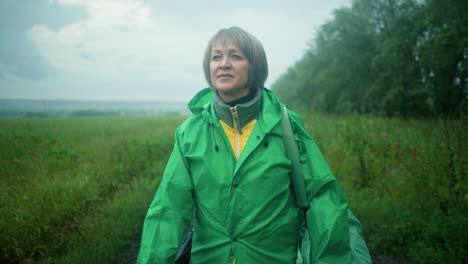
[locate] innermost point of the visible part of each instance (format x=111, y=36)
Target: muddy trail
x=130, y=254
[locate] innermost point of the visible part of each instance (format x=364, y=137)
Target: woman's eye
x=216, y=58
x=236, y=57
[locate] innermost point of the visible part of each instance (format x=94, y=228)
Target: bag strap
x=293, y=155
x=359, y=250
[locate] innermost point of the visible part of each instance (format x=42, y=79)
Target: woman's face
x=229, y=71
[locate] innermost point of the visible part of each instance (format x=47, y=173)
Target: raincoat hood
x=201, y=100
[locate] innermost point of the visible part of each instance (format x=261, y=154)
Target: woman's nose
x=224, y=63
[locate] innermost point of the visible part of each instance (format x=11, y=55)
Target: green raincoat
x=246, y=208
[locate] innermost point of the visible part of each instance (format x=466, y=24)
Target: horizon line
x=102, y=100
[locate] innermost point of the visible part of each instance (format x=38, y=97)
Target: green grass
x=404, y=179
x=76, y=190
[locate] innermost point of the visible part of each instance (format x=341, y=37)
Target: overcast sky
x=139, y=49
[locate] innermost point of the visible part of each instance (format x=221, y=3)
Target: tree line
x=390, y=57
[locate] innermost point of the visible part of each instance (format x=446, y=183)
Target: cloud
x=118, y=38
x=20, y=57
x=119, y=49
x=18, y=54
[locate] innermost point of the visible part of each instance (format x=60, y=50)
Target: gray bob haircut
x=249, y=45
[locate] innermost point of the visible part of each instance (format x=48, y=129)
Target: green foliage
x=394, y=58
x=77, y=187
x=404, y=179
x=443, y=50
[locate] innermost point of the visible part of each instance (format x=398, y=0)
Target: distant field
x=86, y=108
x=75, y=190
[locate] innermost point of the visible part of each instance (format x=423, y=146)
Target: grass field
x=76, y=190
x=405, y=180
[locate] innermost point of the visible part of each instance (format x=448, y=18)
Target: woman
x=229, y=171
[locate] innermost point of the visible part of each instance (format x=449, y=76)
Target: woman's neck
x=242, y=100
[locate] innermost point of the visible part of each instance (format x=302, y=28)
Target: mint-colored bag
x=303, y=247
x=359, y=251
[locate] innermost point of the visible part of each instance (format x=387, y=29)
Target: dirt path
x=386, y=259
x=129, y=256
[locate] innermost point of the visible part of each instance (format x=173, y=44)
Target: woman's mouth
x=225, y=76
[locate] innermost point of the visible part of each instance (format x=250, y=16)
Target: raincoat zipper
x=235, y=119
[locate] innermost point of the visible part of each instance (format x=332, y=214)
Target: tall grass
x=404, y=179
x=76, y=190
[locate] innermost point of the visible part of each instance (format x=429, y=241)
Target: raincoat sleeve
x=327, y=218
x=169, y=213
x=358, y=245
